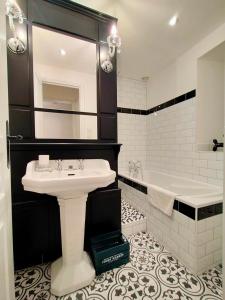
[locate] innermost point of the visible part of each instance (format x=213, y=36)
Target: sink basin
x=71, y=186
x=96, y=173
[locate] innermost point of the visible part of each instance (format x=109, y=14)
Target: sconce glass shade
x=107, y=65
x=16, y=46
x=114, y=43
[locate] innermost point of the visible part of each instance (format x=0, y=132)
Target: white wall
x=171, y=145
x=181, y=76
x=131, y=128
x=131, y=93
x=210, y=110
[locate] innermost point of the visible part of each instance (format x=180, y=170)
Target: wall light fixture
x=14, y=12
x=114, y=46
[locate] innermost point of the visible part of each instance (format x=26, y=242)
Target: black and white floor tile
x=130, y=214
x=153, y=273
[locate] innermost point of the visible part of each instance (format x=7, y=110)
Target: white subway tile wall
x=197, y=244
x=131, y=93
x=165, y=142
x=133, y=135
x=132, y=130
x=171, y=145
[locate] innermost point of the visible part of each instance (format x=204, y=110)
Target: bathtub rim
x=195, y=202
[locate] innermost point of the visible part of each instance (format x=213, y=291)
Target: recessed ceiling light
x=62, y=52
x=173, y=20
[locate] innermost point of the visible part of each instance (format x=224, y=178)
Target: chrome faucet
x=138, y=167
x=131, y=166
x=81, y=164
x=59, y=164
x=135, y=167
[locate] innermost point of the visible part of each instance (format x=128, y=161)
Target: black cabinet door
x=36, y=232
x=30, y=234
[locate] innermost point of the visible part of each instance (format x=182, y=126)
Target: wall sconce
x=114, y=43
x=14, y=12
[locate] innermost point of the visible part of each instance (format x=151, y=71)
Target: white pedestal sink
x=74, y=269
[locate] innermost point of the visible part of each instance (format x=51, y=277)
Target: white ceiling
x=80, y=55
x=148, y=43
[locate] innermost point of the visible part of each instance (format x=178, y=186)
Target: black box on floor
x=109, y=251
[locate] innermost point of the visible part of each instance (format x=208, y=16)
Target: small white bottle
x=43, y=161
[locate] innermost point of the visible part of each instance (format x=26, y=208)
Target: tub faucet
x=131, y=166
x=135, y=167
x=216, y=145
x=138, y=167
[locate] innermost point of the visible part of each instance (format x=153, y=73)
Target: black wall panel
x=108, y=128
x=18, y=67
x=57, y=17
x=20, y=122
x=36, y=221
x=107, y=81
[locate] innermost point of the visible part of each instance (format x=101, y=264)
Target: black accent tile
x=180, y=99
x=210, y=211
x=133, y=184
x=219, y=208
x=176, y=205
x=171, y=102
x=126, y=110
x=144, y=112
x=187, y=210
x=144, y=189
x=136, y=111
x=190, y=94
x=120, y=178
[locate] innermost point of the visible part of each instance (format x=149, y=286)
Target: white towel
x=161, y=199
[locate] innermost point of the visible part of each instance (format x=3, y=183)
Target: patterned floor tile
x=153, y=273
x=130, y=214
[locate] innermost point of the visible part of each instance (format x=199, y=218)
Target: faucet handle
x=59, y=164
x=81, y=164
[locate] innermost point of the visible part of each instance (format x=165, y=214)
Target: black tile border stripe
x=209, y=211
x=179, y=99
x=133, y=184
x=132, y=111
x=183, y=208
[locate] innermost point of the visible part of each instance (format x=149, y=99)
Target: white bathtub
x=193, y=233
x=191, y=192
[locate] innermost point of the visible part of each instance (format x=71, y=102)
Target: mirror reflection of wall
x=64, y=70
x=52, y=125
x=60, y=97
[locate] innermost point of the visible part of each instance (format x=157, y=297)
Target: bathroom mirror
x=52, y=125
x=65, y=83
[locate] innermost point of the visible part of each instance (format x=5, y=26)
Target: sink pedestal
x=74, y=270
